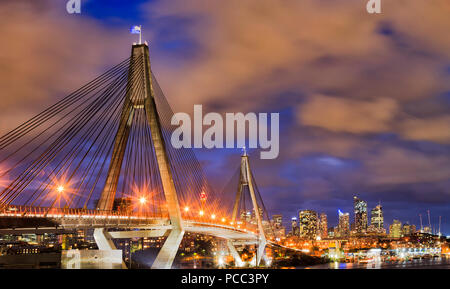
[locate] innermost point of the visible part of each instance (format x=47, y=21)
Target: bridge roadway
x=41, y=221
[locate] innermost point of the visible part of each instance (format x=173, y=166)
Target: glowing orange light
x=213, y=216
x=142, y=200
x=60, y=189
x=223, y=219
x=201, y=213
x=186, y=209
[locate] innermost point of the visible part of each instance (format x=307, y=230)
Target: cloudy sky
x=364, y=100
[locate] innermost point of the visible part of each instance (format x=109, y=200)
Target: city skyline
x=370, y=219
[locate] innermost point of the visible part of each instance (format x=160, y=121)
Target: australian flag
x=135, y=29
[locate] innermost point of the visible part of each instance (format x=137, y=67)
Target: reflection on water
x=434, y=263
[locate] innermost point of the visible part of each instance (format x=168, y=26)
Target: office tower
x=344, y=226
x=294, y=226
x=277, y=225
x=395, y=230
x=360, y=208
x=323, y=225
x=413, y=229
x=331, y=232
x=277, y=220
x=407, y=229
x=377, y=220
x=307, y=223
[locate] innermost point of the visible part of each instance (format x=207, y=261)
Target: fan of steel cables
x=60, y=157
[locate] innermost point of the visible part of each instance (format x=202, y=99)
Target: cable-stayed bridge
x=101, y=158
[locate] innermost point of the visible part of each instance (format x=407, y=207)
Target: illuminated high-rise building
x=376, y=219
x=277, y=220
x=360, y=207
x=294, y=226
x=344, y=226
x=307, y=223
x=323, y=225
x=395, y=230
x=408, y=229
x=277, y=226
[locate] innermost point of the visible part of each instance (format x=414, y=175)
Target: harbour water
x=433, y=263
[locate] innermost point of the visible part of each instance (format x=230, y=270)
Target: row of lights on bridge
x=202, y=213
x=143, y=200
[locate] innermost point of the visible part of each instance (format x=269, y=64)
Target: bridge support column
x=169, y=250
x=104, y=242
x=237, y=259
x=260, y=251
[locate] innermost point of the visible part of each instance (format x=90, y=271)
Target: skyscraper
x=277, y=220
x=344, y=226
x=294, y=226
x=377, y=220
x=395, y=230
x=277, y=226
x=408, y=229
x=323, y=225
x=360, y=207
x=307, y=223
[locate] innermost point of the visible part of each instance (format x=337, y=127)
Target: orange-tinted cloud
x=44, y=53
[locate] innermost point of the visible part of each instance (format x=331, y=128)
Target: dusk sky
x=364, y=100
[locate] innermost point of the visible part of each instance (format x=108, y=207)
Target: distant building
x=307, y=223
x=246, y=216
x=376, y=218
x=408, y=230
x=427, y=230
x=277, y=226
x=124, y=205
x=344, y=226
x=294, y=227
x=395, y=230
x=277, y=220
x=360, y=208
x=331, y=232
x=323, y=225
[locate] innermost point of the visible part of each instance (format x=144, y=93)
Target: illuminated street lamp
x=201, y=213
x=142, y=200
x=213, y=216
x=60, y=189
x=186, y=209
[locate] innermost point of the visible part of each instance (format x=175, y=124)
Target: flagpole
x=140, y=34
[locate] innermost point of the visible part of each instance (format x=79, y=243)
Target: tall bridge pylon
x=246, y=180
x=145, y=102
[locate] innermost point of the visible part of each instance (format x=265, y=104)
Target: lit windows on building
x=344, y=226
x=323, y=225
x=360, y=208
x=307, y=223
x=395, y=230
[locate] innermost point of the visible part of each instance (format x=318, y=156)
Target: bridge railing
x=28, y=211
x=79, y=213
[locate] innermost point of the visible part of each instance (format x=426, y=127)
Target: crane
x=439, y=233
x=421, y=226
